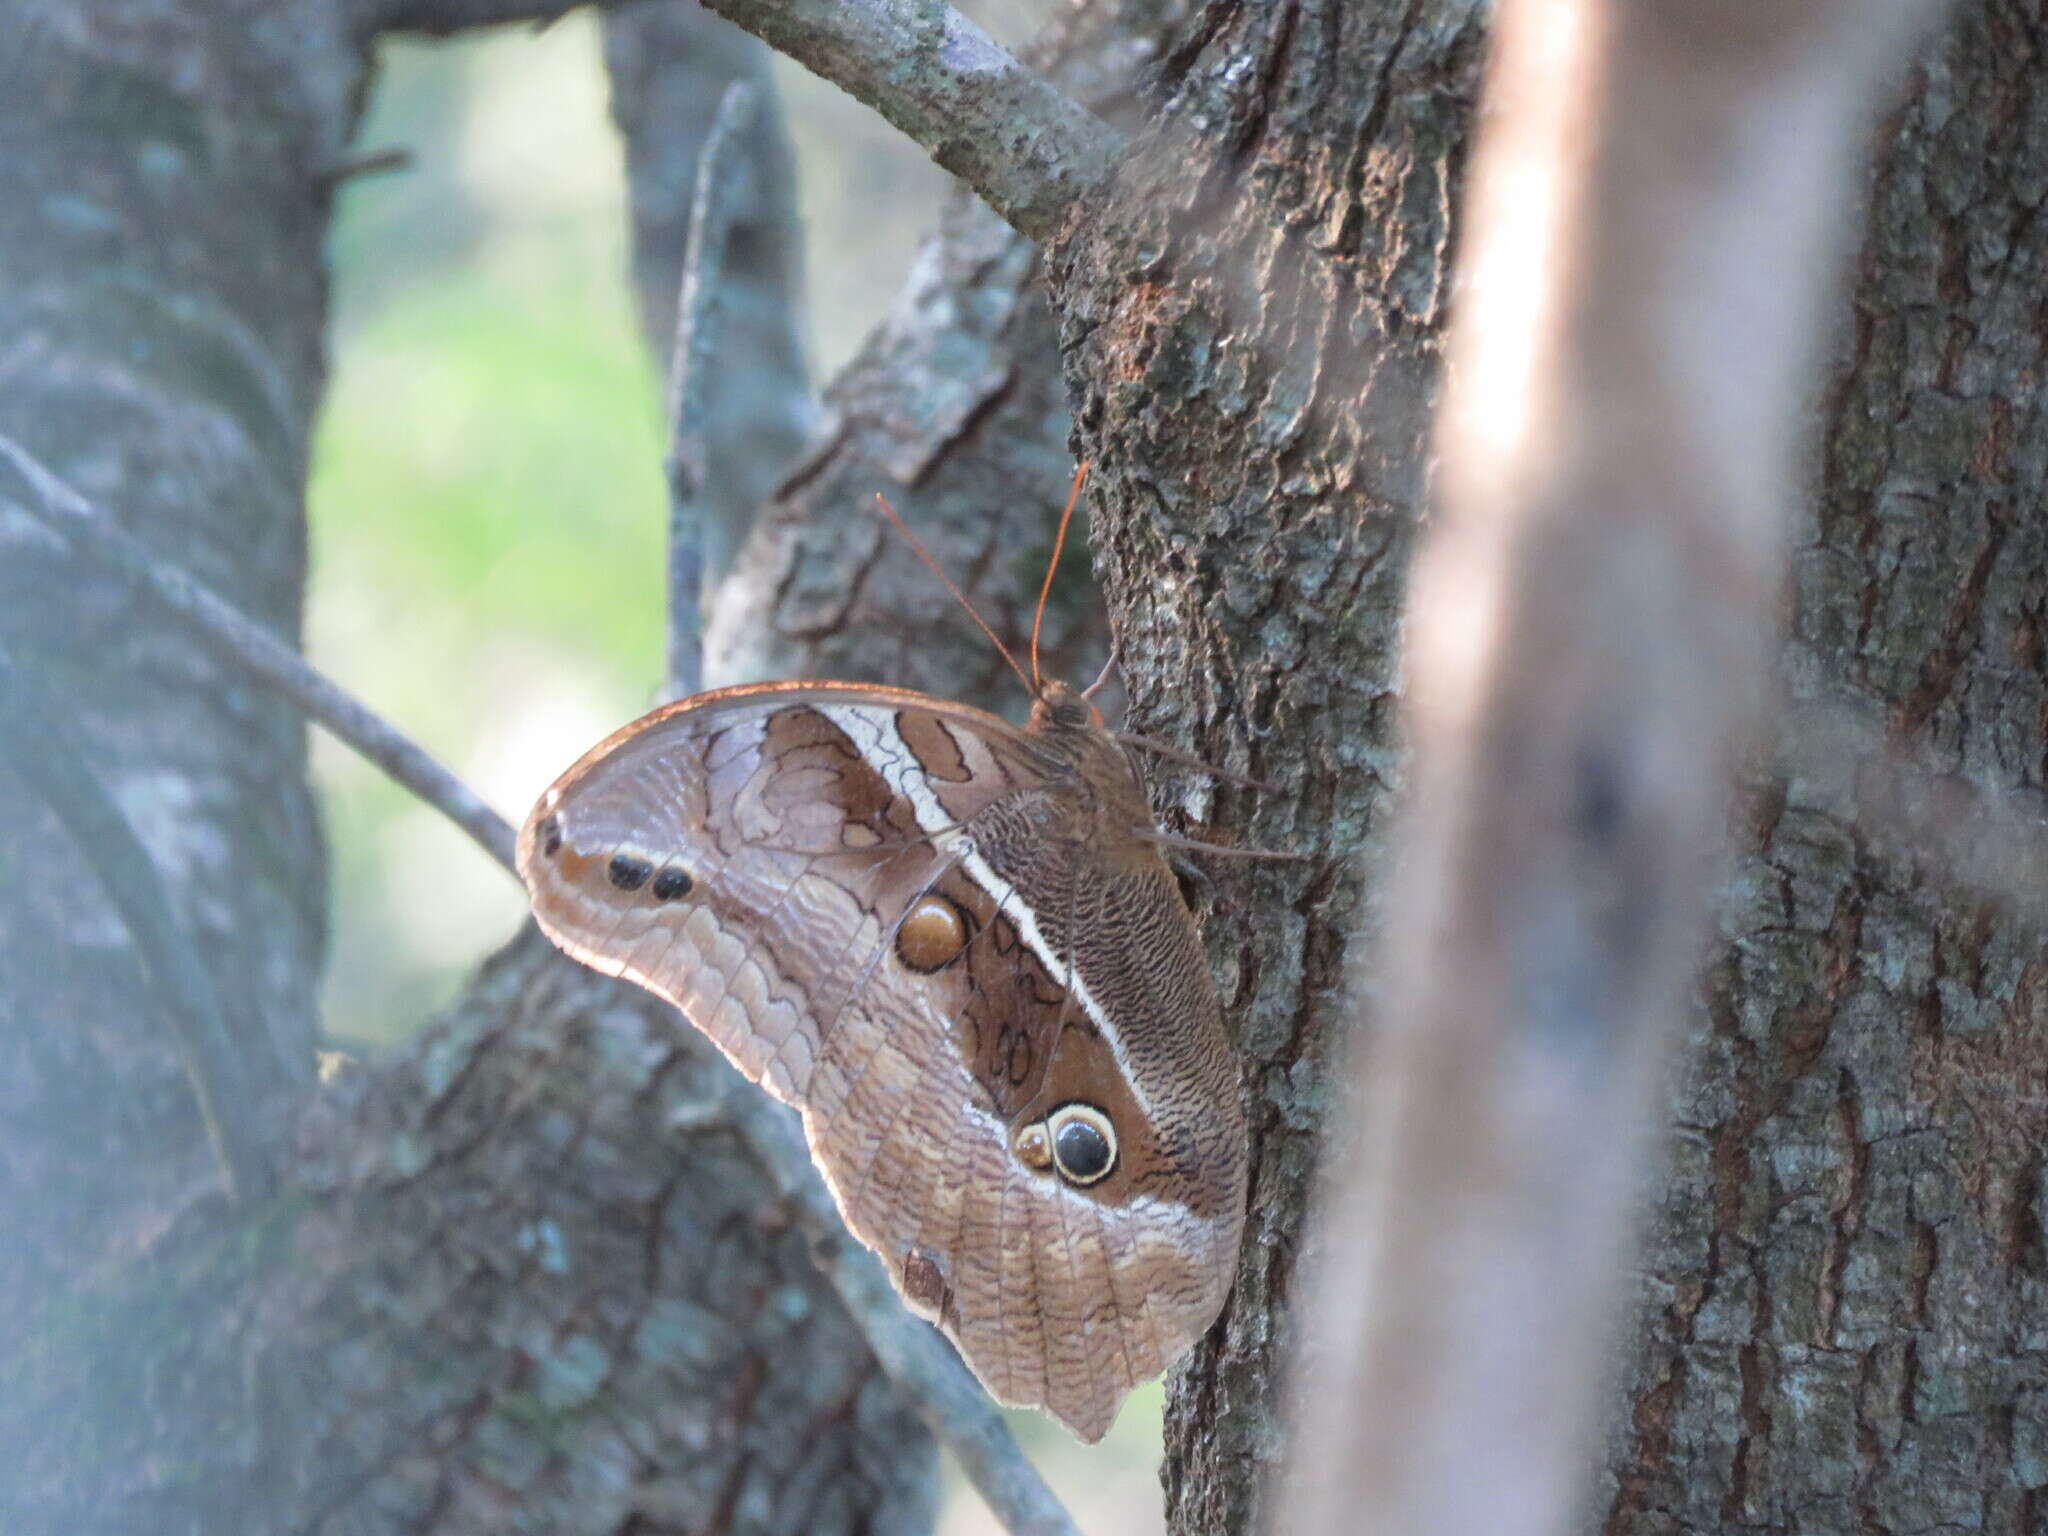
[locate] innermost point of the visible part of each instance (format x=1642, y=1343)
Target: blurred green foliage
x=486, y=499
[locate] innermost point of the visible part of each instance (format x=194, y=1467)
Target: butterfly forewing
x=1005, y=1045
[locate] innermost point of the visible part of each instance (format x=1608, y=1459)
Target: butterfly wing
x=850, y=891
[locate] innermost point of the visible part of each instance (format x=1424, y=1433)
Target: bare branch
x=239, y=638
x=699, y=309
x=38, y=745
x=1658, y=203
x=1032, y=153
x=378, y=162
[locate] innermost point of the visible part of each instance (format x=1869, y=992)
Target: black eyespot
x=627, y=872
x=672, y=884
x=1083, y=1143
x=550, y=831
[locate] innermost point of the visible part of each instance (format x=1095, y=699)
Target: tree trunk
x=162, y=304
x=166, y=186
x=514, y=1278
x=1846, y=1269
x=1254, y=351
x=1846, y=1299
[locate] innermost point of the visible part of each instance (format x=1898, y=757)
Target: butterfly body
x=949, y=943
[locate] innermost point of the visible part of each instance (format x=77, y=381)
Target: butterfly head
x=1059, y=708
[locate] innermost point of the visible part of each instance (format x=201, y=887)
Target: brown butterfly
x=957, y=947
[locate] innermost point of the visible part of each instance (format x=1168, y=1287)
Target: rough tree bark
x=1850, y=1253
x=1846, y=1300
x=1254, y=351
x=1846, y=1277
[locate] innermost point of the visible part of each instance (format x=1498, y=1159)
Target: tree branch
x=1031, y=152
x=699, y=309
x=240, y=639
x=1659, y=199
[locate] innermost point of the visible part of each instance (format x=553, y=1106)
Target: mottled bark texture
x=1846, y=1315
x=1253, y=344
x=516, y=1277
x=163, y=194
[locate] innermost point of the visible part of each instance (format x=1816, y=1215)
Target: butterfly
x=958, y=948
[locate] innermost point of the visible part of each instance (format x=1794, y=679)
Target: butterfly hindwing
x=890, y=912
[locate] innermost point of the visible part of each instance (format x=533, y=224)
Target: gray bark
x=1846, y=1300
x=1254, y=349
x=165, y=186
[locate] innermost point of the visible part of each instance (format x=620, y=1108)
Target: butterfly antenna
x=1102, y=677
x=958, y=596
x=1052, y=566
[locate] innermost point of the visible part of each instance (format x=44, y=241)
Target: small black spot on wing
x=628, y=871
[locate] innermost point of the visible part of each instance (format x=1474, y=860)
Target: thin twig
x=917, y=1359
x=234, y=635
x=699, y=308
x=1032, y=153
x=379, y=162
x=42, y=752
